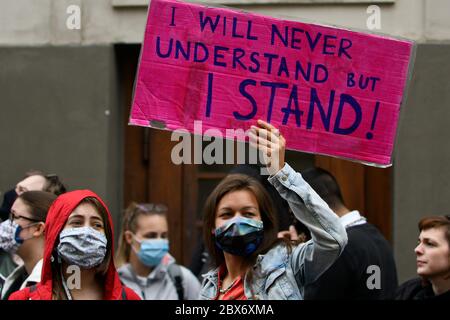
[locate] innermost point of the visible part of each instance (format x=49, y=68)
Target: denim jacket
x=278, y=274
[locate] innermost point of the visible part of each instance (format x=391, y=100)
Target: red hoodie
x=57, y=216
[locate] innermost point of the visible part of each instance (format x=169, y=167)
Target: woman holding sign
x=240, y=231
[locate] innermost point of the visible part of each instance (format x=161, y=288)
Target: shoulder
x=367, y=230
x=123, y=268
x=131, y=295
x=361, y=230
x=364, y=235
x=35, y=276
x=188, y=275
x=186, y=272
x=124, y=272
x=282, y=248
x=409, y=289
x=278, y=255
x=176, y=269
x=23, y=294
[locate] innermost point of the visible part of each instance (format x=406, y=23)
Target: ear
x=40, y=227
x=128, y=237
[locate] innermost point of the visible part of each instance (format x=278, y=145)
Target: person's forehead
x=34, y=182
x=152, y=222
x=86, y=210
x=437, y=233
x=19, y=206
x=238, y=198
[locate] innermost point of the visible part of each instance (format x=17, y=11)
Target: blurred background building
x=65, y=99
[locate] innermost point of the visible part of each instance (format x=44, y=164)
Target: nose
x=418, y=250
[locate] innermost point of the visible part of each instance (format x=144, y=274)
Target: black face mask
x=240, y=236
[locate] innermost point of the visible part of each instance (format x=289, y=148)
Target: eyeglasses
x=13, y=217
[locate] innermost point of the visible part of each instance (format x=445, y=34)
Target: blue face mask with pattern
x=240, y=236
x=152, y=251
x=10, y=239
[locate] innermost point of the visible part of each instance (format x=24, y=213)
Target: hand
x=290, y=234
x=266, y=138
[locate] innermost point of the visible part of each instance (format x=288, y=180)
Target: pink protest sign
x=330, y=91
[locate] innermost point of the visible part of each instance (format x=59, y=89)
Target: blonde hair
x=131, y=215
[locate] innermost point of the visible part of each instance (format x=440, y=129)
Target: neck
x=341, y=211
x=235, y=266
x=440, y=285
x=31, y=254
x=87, y=276
x=88, y=288
x=138, y=267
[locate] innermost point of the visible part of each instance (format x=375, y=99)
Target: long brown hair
x=130, y=218
x=58, y=290
x=238, y=182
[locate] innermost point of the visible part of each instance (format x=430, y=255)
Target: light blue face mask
x=152, y=251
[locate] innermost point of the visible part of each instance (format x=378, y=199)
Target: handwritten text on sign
x=330, y=91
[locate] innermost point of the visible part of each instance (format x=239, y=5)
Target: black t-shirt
x=353, y=275
x=417, y=289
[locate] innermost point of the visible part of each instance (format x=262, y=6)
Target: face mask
x=152, y=251
x=240, y=236
x=10, y=239
x=84, y=247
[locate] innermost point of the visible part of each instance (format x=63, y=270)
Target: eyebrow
x=76, y=216
x=82, y=217
x=243, y=208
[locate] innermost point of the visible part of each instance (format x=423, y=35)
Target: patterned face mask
x=10, y=239
x=240, y=236
x=84, y=247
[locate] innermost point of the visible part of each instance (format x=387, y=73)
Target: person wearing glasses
x=33, y=181
x=433, y=262
x=23, y=234
x=143, y=258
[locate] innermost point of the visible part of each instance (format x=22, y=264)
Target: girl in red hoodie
x=78, y=253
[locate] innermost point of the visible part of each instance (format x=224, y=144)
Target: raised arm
x=329, y=237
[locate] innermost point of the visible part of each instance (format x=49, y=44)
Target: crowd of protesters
x=289, y=236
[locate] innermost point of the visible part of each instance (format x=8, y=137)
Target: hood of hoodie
x=57, y=217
